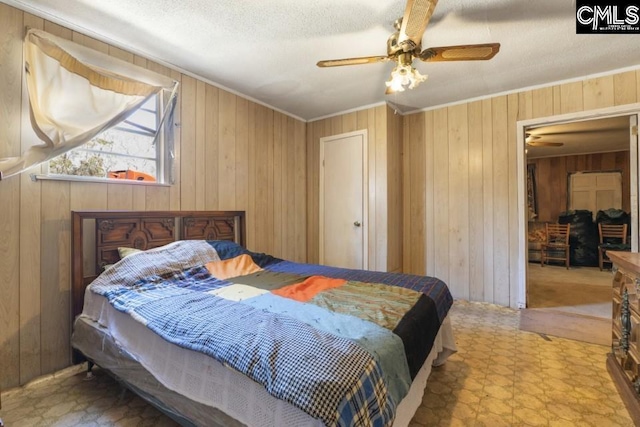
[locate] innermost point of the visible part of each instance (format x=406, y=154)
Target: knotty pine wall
x=384, y=131
x=231, y=154
x=460, y=182
x=551, y=179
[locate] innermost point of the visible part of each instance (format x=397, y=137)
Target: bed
x=214, y=334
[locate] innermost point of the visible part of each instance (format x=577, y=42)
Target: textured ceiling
x=267, y=49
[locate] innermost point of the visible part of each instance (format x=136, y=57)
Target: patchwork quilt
x=342, y=345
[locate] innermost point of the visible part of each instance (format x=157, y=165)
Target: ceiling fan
x=536, y=141
x=405, y=45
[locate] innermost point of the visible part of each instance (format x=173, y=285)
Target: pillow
x=125, y=252
x=227, y=249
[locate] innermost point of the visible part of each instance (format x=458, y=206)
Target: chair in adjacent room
x=556, y=247
x=613, y=237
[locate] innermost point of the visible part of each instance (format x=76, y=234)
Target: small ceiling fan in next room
x=405, y=45
x=538, y=141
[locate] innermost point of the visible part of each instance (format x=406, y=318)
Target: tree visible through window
x=128, y=150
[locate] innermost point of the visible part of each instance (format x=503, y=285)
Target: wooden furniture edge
x=625, y=389
x=629, y=261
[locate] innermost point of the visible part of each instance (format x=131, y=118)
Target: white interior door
x=595, y=191
x=343, y=200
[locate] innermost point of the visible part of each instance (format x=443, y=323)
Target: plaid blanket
x=330, y=369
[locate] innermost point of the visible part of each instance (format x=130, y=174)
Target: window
x=75, y=94
x=129, y=150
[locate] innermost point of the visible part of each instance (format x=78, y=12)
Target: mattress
x=209, y=389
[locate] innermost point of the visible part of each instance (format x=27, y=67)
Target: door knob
x=357, y=224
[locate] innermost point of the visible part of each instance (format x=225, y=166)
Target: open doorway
x=565, y=162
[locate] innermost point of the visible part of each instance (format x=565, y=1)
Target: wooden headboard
x=142, y=230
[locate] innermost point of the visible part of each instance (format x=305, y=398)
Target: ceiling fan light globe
x=403, y=77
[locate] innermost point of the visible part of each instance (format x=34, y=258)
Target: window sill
x=69, y=178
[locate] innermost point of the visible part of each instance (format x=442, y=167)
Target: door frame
x=519, y=289
x=365, y=194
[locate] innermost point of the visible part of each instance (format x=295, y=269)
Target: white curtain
x=74, y=94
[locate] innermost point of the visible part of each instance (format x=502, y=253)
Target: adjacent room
x=226, y=213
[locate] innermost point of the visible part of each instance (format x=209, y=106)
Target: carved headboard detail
x=143, y=230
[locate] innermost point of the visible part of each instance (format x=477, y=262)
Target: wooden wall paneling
x=11, y=22
x=268, y=141
x=369, y=123
x=392, y=223
x=475, y=203
x=212, y=136
x=290, y=193
x=515, y=112
x=430, y=172
x=571, y=98
x=559, y=185
x=557, y=99
x=336, y=125
x=623, y=163
x=120, y=196
x=349, y=122
x=607, y=161
x=261, y=197
x=87, y=196
x=542, y=102
x=279, y=178
x=300, y=192
x=200, y=143
x=118, y=53
x=55, y=266
x=543, y=193
x=637, y=84
x=406, y=196
x=625, y=88
x=188, y=147
x=488, y=197
x=311, y=147
x=30, y=237
x=598, y=93
x=226, y=151
x=459, y=199
x=251, y=175
x=500, y=200
x=314, y=132
x=174, y=190
x=55, y=276
x=157, y=198
x=282, y=184
x=379, y=187
x=242, y=154
x=418, y=196
x=441, y=193
x=524, y=106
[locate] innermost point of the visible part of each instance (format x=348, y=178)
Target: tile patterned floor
x=501, y=376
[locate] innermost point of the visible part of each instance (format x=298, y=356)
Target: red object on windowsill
x=130, y=174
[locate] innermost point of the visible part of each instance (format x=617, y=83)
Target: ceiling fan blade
x=544, y=144
x=352, y=61
x=465, y=52
x=414, y=21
